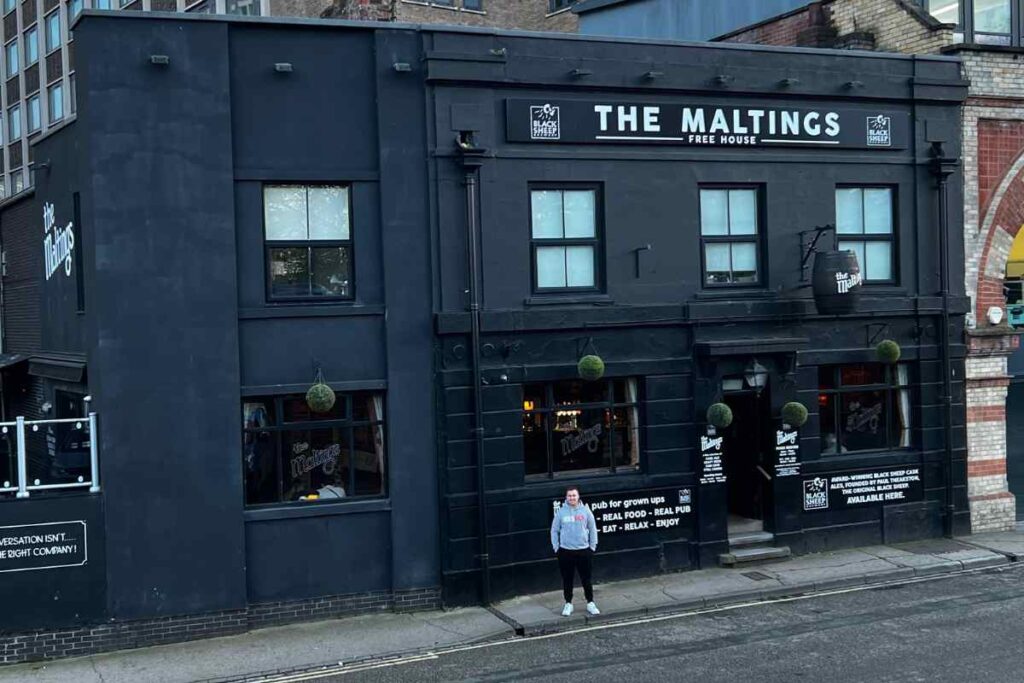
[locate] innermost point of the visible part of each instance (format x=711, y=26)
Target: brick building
x=990, y=47
x=531, y=15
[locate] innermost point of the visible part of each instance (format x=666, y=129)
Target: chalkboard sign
x=712, y=469
x=787, y=451
x=30, y=547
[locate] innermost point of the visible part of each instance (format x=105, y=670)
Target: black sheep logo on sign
x=545, y=123
x=879, y=131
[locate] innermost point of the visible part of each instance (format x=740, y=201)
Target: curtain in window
x=634, y=422
x=903, y=405
x=377, y=415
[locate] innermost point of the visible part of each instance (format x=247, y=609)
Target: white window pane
x=328, y=213
x=580, y=212
x=284, y=212
x=551, y=267
x=992, y=16
x=744, y=262
x=714, y=216
x=716, y=258
x=547, y=214
x=878, y=211
x=849, y=211
x=742, y=212
x=579, y=266
x=879, y=261
x=858, y=249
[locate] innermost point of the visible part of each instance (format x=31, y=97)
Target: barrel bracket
x=808, y=242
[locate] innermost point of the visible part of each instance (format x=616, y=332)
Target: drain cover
x=756, y=576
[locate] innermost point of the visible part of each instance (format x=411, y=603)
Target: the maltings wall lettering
x=58, y=243
x=696, y=124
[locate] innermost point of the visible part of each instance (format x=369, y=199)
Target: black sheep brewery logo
x=816, y=493
x=879, y=131
x=545, y=122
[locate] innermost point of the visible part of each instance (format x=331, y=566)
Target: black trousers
x=570, y=562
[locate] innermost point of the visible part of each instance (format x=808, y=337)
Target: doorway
x=745, y=453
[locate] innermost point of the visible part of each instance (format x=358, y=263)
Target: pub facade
x=441, y=274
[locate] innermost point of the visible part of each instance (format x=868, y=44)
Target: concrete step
x=750, y=539
x=748, y=556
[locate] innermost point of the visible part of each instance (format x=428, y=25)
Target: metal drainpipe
x=942, y=167
x=472, y=159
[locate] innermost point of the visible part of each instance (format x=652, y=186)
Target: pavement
x=379, y=636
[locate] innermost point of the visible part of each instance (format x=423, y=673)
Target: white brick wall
x=993, y=515
x=986, y=441
x=986, y=367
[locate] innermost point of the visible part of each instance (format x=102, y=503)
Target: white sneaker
x=592, y=609
x=567, y=610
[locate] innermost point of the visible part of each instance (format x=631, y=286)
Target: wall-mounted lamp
x=159, y=60
x=789, y=82
x=756, y=376
x=853, y=85
x=283, y=67
x=580, y=73
x=651, y=75
x=402, y=67
x=723, y=79
x=46, y=407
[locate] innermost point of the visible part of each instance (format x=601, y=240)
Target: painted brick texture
x=530, y=15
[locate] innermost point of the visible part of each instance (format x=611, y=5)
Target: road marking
x=342, y=669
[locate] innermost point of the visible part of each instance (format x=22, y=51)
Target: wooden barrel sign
x=837, y=282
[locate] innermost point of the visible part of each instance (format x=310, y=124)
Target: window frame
x=14, y=119
x=597, y=241
x=310, y=244
x=28, y=113
x=50, y=91
x=757, y=238
x=32, y=31
x=891, y=237
x=11, y=48
x=893, y=389
x=965, y=24
x=549, y=408
x=280, y=426
x=55, y=14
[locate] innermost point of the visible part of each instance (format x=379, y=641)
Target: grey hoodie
x=573, y=528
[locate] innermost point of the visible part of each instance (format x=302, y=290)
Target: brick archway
x=1003, y=216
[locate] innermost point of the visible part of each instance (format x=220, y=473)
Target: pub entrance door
x=746, y=451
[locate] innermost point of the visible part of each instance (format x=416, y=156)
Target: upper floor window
x=565, y=239
x=246, y=8
x=477, y=5
x=9, y=5
x=864, y=225
x=308, y=241
x=14, y=122
x=730, y=239
x=101, y=4
x=993, y=22
x=52, y=31
x=555, y=5
x=35, y=119
x=864, y=407
x=291, y=454
x=74, y=9
x=574, y=425
x=55, y=97
x=31, y=46
x=11, y=53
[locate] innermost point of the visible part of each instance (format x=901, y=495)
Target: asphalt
x=380, y=637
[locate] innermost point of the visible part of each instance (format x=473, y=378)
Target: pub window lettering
x=864, y=225
x=730, y=236
x=308, y=241
x=863, y=407
x=565, y=239
x=293, y=455
x=577, y=426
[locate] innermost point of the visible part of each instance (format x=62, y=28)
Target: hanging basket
x=794, y=414
x=888, y=351
x=320, y=398
x=590, y=368
x=719, y=415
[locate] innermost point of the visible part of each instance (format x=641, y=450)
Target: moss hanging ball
x=590, y=368
x=888, y=351
x=719, y=415
x=320, y=398
x=794, y=414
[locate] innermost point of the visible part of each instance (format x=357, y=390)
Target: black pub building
x=352, y=303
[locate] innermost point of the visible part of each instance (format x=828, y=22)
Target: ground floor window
x=290, y=453
x=574, y=426
x=863, y=407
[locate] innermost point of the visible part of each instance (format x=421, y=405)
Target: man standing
x=574, y=539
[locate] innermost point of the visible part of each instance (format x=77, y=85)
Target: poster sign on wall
x=639, y=511
x=863, y=488
x=704, y=125
x=29, y=547
x=58, y=242
x=787, y=451
x=712, y=468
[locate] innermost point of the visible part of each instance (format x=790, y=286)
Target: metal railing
x=21, y=428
